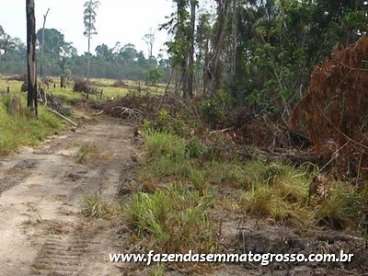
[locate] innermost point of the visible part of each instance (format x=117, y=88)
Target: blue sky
x=118, y=20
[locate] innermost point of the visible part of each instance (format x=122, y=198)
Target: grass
x=272, y=190
x=277, y=191
x=344, y=207
x=174, y=219
x=160, y=144
x=95, y=207
x=23, y=130
x=86, y=153
x=158, y=270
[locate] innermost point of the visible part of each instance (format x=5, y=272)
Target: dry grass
x=95, y=207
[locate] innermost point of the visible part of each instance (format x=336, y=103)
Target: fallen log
x=63, y=117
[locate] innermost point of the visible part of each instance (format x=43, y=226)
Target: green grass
x=344, y=206
x=270, y=190
x=160, y=144
x=174, y=219
x=23, y=130
x=13, y=85
x=66, y=95
x=277, y=191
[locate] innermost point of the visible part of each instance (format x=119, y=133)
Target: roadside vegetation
x=191, y=177
x=18, y=128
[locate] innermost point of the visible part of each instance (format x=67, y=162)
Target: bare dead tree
x=31, y=57
x=150, y=39
x=43, y=43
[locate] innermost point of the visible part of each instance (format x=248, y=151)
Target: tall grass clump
x=160, y=144
x=344, y=207
x=174, y=219
x=278, y=191
x=166, y=156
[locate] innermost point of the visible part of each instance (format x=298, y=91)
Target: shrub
x=82, y=86
x=195, y=149
x=214, y=111
x=163, y=121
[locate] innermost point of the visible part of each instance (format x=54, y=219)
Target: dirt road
x=41, y=229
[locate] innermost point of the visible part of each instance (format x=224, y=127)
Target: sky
x=125, y=21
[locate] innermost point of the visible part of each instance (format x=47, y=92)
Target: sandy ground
x=41, y=229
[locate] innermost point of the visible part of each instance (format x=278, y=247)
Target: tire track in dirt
x=41, y=229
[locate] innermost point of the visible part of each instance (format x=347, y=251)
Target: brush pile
x=334, y=111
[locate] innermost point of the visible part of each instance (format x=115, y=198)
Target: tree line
x=56, y=57
x=258, y=52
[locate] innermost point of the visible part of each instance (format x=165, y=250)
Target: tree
x=43, y=42
x=154, y=75
x=128, y=53
x=89, y=20
x=31, y=57
x=6, y=42
x=188, y=91
x=149, y=39
x=54, y=50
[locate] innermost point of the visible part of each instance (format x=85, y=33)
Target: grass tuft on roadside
x=94, y=206
x=174, y=219
x=344, y=207
x=277, y=191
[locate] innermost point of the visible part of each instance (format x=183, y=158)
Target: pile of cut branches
x=333, y=113
x=146, y=105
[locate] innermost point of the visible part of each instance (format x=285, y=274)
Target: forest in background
x=58, y=57
x=255, y=138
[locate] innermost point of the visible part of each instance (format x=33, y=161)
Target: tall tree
x=149, y=39
x=203, y=37
x=214, y=71
x=31, y=57
x=89, y=20
x=188, y=91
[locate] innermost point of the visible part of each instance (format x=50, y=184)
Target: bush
x=195, y=149
x=164, y=122
x=82, y=86
x=214, y=111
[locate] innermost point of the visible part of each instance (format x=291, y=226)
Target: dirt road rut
x=41, y=229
